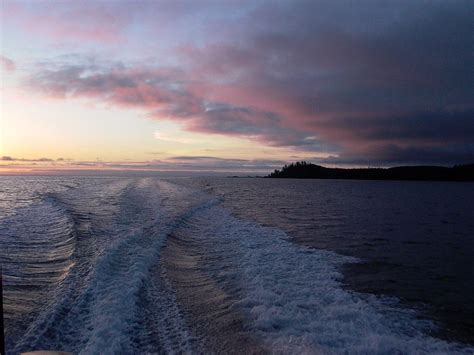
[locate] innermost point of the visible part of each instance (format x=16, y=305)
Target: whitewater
x=143, y=265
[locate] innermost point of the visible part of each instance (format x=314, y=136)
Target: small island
x=304, y=170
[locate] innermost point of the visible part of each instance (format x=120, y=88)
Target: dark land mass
x=304, y=170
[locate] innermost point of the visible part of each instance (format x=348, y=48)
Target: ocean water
x=99, y=265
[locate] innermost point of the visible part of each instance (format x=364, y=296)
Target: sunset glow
x=236, y=177
x=122, y=82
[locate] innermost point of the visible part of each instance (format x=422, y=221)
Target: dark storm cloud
x=389, y=155
x=385, y=81
x=377, y=74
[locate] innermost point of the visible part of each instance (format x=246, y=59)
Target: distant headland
x=304, y=170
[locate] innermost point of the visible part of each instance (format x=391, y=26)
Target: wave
x=98, y=307
x=162, y=268
x=36, y=245
x=288, y=296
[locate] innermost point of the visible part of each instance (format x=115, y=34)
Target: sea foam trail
x=290, y=296
x=162, y=268
x=100, y=307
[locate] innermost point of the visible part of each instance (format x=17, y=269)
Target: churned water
x=215, y=265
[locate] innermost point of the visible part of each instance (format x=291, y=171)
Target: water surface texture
x=212, y=265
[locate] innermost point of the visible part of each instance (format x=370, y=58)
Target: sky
x=208, y=85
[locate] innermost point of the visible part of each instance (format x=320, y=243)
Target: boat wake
x=147, y=266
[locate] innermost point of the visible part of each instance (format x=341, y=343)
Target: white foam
x=290, y=295
x=101, y=318
x=294, y=300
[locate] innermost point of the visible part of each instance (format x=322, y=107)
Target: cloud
x=9, y=158
x=380, y=81
x=392, y=155
x=7, y=64
x=222, y=164
x=165, y=94
x=183, y=164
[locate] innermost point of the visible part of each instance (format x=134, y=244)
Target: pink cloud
x=322, y=79
x=7, y=64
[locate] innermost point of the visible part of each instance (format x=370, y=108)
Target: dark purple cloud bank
x=376, y=82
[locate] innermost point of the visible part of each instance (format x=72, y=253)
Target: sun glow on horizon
x=54, y=135
x=102, y=82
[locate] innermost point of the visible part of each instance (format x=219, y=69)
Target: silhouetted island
x=304, y=170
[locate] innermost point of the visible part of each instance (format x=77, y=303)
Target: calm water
x=122, y=265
